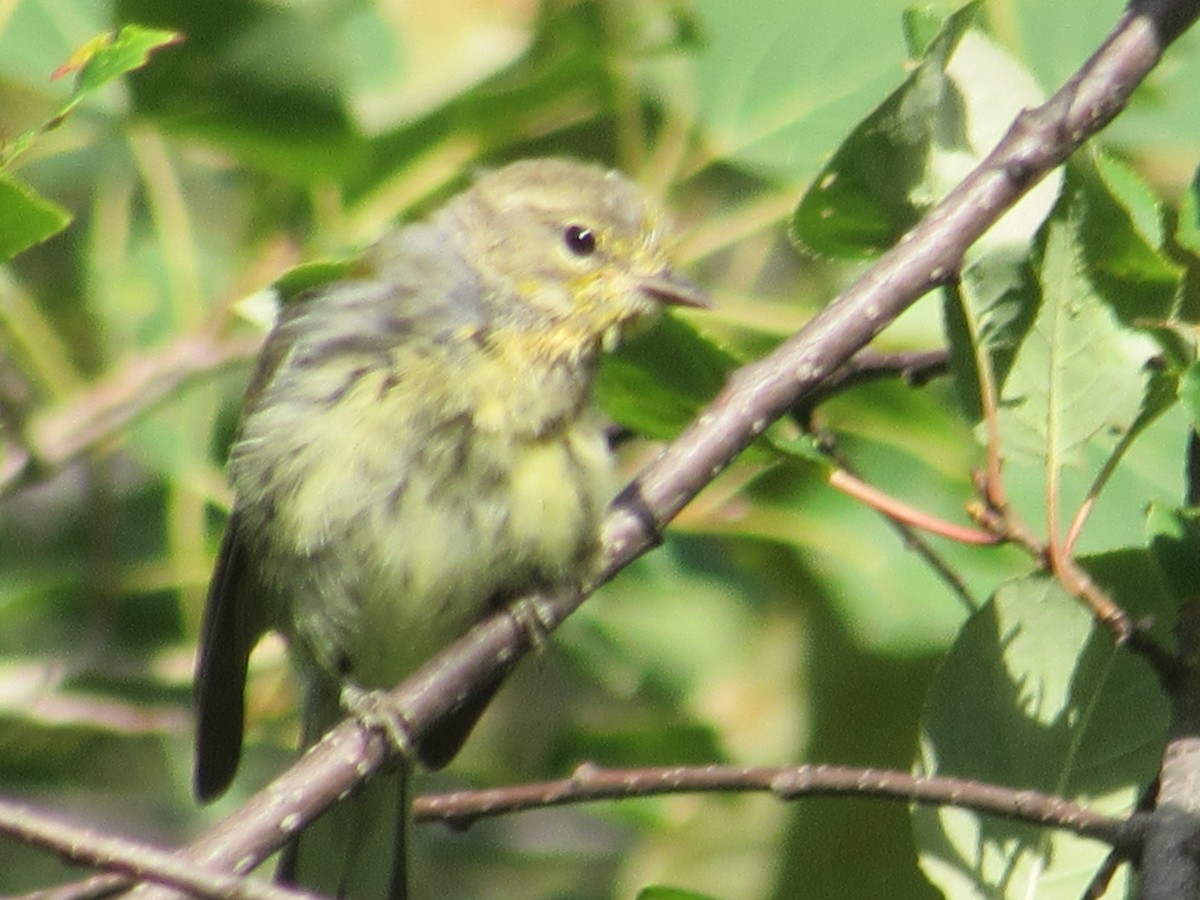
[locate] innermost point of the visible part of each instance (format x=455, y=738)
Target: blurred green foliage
x=781, y=622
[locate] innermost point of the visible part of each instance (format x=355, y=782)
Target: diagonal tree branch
x=89, y=847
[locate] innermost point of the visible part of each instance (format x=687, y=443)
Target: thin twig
x=899, y=511
x=590, y=783
x=54, y=437
x=915, y=541
x=915, y=368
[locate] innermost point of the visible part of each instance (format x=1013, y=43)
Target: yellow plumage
x=417, y=445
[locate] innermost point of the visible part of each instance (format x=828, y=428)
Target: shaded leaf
x=774, y=94
x=628, y=745
x=657, y=382
x=247, y=74
x=987, y=316
x=1174, y=540
x=863, y=200
x=1120, y=232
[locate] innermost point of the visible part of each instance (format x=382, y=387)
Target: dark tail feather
x=226, y=638
x=443, y=741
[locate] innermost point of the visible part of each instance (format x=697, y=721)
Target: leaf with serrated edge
x=1078, y=375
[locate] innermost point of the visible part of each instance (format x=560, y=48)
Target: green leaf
x=776, y=89
x=263, y=80
x=989, y=312
x=919, y=143
x=987, y=316
x=888, y=597
x=1136, y=199
x=1189, y=392
x=307, y=276
x=127, y=50
x=1034, y=695
x=100, y=60
x=657, y=382
x=627, y=746
x=1187, y=232
x=805, y=448
x=25, y=217
x=1174, y=539
x=659, y=892
x=1074, y=341
x=1078, y=374
x=863, y=199
x=921, y=28
x=1121, y=235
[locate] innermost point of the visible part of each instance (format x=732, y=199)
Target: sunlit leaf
x=25, y=218
x=311, y=275
x=1188, y=229
x=1035, y=695
x=82, y=55
x=1189, y=391
x=1078, y=374
x=95, y=63
x=922, y=25
x=806, y=448
x=127, y=50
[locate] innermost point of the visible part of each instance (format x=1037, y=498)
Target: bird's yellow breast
x=425, y=495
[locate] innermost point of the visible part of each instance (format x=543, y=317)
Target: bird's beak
x=672, y=289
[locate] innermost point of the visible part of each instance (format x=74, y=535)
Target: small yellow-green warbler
x=418, y=448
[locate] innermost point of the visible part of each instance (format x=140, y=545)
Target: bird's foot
x=531, y=618
x=376, y=711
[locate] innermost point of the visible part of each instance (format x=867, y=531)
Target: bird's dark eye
x=580, y=240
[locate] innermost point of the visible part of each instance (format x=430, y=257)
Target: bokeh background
x=780, y=622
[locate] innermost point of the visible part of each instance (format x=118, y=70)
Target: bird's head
x=570, y=251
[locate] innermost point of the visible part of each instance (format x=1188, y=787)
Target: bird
x=418, y=447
